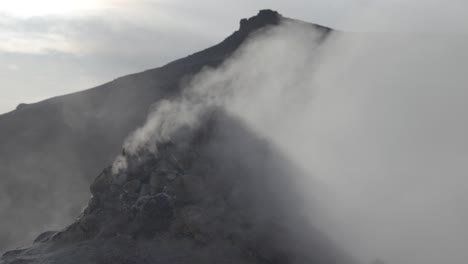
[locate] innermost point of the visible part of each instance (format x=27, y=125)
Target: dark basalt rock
x=152, y=213
x=263, y=18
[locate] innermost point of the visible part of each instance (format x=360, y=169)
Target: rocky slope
x=215, y=193
x=50, y=150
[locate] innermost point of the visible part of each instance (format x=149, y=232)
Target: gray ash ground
x=212, y=194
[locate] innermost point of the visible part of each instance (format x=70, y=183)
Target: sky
x=55, y=47
x=403, y=120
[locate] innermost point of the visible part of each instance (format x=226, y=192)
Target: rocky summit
x=215, y=193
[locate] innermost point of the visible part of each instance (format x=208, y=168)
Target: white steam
x=379, y=119
x=242, y=84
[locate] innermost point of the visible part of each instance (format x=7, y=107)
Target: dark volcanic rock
x=222, y=195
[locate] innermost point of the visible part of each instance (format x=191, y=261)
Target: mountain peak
x=263, y=18
x=214, y=55
x=129, y=99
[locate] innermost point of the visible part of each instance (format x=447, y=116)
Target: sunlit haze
x=29, y=8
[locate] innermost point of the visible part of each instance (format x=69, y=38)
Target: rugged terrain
x=216, y=193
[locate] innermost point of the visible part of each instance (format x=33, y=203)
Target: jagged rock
x=132, y=187
x=89, y=223
x=264, y=17
x=102, y=183
x=153, y=213
x=164, y=166
x=145, y=190
x=44, y=237
x=155, y=181
x=171, y=176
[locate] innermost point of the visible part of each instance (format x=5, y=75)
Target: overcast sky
x=54, y=47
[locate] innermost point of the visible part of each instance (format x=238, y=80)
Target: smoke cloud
x=239, y=85
x=378, y=119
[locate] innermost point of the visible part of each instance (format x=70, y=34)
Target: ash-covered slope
x=215, y=193
x=50, y=150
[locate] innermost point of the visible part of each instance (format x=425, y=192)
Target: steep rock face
x=212, y=194
x=50, y=150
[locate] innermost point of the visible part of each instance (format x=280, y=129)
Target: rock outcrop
x=216, y=193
